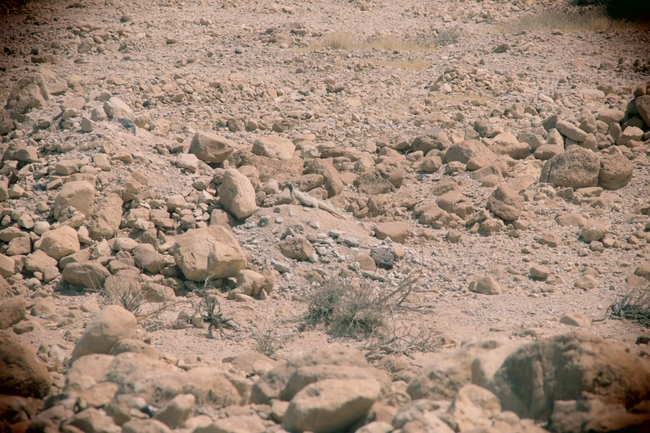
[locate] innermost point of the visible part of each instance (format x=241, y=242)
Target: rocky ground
x=479, y=172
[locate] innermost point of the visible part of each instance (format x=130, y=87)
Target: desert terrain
x=439, y=206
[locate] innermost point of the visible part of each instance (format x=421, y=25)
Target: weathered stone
x=146, y=257
x=89, y=274
x=576, y=167
x=210, y=252
x=642, y=104
x=237, y=195
x=78, y=194
x=22, y=373
x=274, y=147
x=568, y=367
x=398, y=231
x=297, y=248
x=210, y=147
x=505, y=203
x=176, y=411
x=60, y=242
x=111, y=325
x=12, y=311
x=485, y=285
x=615, y=171
x=105, y=220
x=474, y=407
x=331, y=405
x=28, y=93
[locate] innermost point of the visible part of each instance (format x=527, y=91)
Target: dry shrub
x=633, y=306
x=571, y=21
x=405, y=339
x=210, y=309
x=125, y=292
x=269, y=342
x=340, y=40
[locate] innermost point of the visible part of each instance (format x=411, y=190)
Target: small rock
x=485, y=285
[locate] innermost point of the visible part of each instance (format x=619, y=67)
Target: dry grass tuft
x=411, y=64
x=548, y=21
x=633, y=306
x=341, y=40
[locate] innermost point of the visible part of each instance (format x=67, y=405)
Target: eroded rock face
x=568, y=367
x=210, y=252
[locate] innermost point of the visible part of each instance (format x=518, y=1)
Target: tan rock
x=331, y=405
x=179, y=409
x=89, y=274
x=210, y=147
x=576, y=167
x=28, y=93
x=237, y=195
x=297, y=248
x=12, y=311
x=398, y=231
x=146, y=257
x=485, y=285
x=111, y=325
x=474, y=407
x=642, y=104
x=60, y=242
x=505, y=203
x=595, y=230
x=575, y=319
x=615, y=171
x=22, y=373
x=211, y=252
x=7, y=266
x=78, y=194
x=274, y=147
x=105, y=220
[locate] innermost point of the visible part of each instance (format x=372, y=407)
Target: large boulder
x=274, y=147
x=468, y=149
x=237, y=195
x=615, y=171
x=331, y=405
x=572, y=366
x=642, y=104
x=89, y=273
x=105, y=220
x=22, y=373
x=78, y=194
x=210, y=147
x=60, y=242
x=29, y=92
x=576, y=168
x=442, y=379
x=505, y=203
x=275, y=382
x=111, y=325
x=208, y=253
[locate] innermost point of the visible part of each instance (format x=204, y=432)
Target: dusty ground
x=200, y=64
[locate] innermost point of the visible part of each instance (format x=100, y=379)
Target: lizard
x=307, y=200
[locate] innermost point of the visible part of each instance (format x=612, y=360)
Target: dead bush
x=210, y=309
x=126, y=292
x=352, y=308
x=269, y=341
x=633, y=306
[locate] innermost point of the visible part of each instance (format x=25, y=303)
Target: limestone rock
x=575, y=319
x=12, y=311
x=642, y=104
x=505, y=203
x=568, y=367
x=176, y=411
x=146, y=257
x=297, y=248
x=330, y=405
x=398, y=231
x=274, y=147
x=111, y=325
x=89, y=274
x=210, y=147
x=237, y=195
x=467, y=150
x=576, y=167
x=105, y=220
x=485, y=285
x=78, y=194
x=595, y=230
x=22, y=373
x=474, y=407
x=615, y=171
x=211, y=252
x=60, y=242
x=29, y=92
x=272, y=384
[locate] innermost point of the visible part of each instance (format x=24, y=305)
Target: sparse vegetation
x=340, y=40
x=269, y=341
x=126, y=293
x=405, y=340
x=633, y=306
x=355, y=309
x=574, y=21
x=210, y=309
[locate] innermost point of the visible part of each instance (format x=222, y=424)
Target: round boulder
x=111, y=325
x=576, y=168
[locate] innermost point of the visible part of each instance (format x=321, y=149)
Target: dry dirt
x=232, y=66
